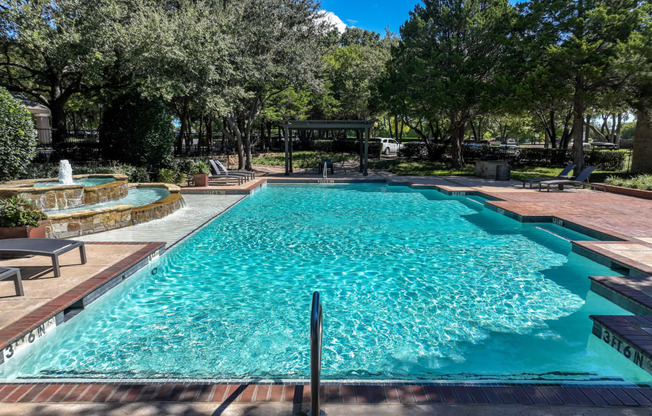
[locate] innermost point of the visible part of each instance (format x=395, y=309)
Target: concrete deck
x=199, y=210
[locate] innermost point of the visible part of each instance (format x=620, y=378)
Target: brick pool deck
x=624, y=220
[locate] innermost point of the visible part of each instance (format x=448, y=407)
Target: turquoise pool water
x=136, y=197
x=415, y=285
x=84, y=181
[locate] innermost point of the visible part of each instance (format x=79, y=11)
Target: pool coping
x=391, y=391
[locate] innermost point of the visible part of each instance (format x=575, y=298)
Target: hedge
x=607, y=160
x=17, y=136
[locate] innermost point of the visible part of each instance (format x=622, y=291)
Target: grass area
x=643, y=182
x=407, y=167
x=302, y=159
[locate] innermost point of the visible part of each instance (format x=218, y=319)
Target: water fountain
x=65, y=173
x=85, y=204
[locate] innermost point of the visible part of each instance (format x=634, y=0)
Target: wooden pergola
x=360, y=125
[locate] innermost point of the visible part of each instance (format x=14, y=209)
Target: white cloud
x=333, y=20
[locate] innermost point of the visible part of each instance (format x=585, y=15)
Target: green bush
x=17, y=137
x=19, y=212
x=171, y=176
x=137, y=131
x=200, y=167
x=610, y=160
x=643, y=182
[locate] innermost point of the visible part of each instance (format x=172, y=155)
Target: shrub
x=171, y=176
x=643, y=182
x=19, y=212
x=17, y=137
x=200, y=167
x=137, y=131
x=611, y=160
x=414, y=150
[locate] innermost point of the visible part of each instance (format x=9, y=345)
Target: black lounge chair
x=218, y=174
x=50, y=247
x=12, y=273
x=582, y=179
x=564, y=174
x=219, y=167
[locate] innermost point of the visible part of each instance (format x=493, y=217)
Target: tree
x=137, y=131
x=268, y=58
x=583, y=42
x=17, y=136
x=452, y=58
x=637, y=58
x=51, y=50
x=352, y=70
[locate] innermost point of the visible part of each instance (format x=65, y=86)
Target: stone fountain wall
x=55, y=197
x=89, y=222
x=66, y=196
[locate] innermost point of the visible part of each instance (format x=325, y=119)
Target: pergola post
x=291, y=151
x=357, y=134
x=366, y=150
x=287, y=159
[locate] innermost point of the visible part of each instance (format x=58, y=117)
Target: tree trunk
x=233, y=125
x=619, y=125
x=209, y=133
x=553, y=129
x=58, y=115
x=578, y=124
x=642, y=153
x=457, y=132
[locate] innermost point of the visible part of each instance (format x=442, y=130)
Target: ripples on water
x=415, y=285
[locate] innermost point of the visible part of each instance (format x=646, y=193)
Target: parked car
x=511, y=149
x=388, y=145
x=511, y=141
x=603, y=145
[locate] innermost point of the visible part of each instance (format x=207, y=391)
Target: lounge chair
x=12, y=273
x=50, y=247
x=564, y=174
x=216, y=174
x=219, y=167
x=582, y=179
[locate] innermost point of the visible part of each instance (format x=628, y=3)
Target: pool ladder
x=324, y=175
x=315, y=355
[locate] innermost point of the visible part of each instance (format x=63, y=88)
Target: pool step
x=631, y=336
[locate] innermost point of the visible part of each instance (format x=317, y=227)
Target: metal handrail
x=315, y=354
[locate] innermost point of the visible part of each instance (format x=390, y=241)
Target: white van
x=388, y=145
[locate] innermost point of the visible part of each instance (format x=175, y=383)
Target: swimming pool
x=415, y=285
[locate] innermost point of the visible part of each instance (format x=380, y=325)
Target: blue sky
x=371, y=14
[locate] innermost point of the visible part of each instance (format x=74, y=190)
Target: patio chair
x=582, y=179
x=50, y=247
x=564, y=174
x=217, y=174
x=242, y=173
x=13, y=273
